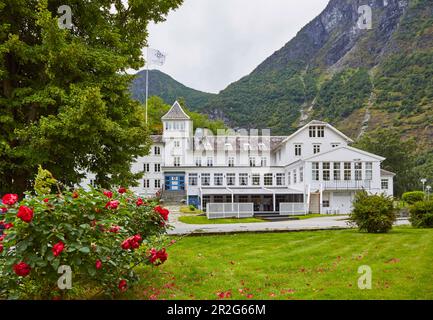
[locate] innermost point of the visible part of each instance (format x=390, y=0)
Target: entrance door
x=175, y=182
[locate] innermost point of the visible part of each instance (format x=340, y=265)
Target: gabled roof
x=384, y=172
x=375, y=156
x=319, y=123
x=176, y=113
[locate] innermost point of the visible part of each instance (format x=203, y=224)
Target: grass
x=205, y=220
x=294, y=265
x=187, y=210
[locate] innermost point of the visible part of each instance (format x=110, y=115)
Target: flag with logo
x=155, y=57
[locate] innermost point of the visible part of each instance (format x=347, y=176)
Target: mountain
x=170, y=90
x=356, y=79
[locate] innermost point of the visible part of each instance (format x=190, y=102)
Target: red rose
x=114, y=229
x=22, y=269
x=163, y=212
x=25, y=214
x=122, y=190
x=113, y=204
x=4, y=209
x=2, y=237
x=1, y=248
x=8, y=225
x=75, y=195
x=98, y=264
x=58, y=248
x=108, y=194
x=126, y=244
x=123, y=285
x=132, y=242
x=139, y=202
x=10, y=199
x=158, y=257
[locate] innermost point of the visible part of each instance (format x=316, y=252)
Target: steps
x=171, y=197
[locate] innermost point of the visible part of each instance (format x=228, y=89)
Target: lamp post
x=423, y=181
x=428, y=188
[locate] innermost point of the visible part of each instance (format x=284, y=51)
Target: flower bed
x=100, y=235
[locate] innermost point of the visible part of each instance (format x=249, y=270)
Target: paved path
x=321, y=223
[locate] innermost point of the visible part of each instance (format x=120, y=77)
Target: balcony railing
x=343, y=184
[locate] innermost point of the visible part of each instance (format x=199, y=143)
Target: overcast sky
x=212, y=43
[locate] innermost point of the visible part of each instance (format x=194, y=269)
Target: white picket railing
x=229, y=210
x=292, y=209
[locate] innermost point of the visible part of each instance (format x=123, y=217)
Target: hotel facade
x=314, y=170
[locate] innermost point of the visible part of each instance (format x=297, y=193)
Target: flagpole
x=147, y=78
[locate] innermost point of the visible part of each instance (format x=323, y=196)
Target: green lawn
x=294, y=265
x=205, y=220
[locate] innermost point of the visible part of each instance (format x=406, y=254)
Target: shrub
x=421, y=214
x=101, y=236
x=192, y=207
x=413, y=196
x=373, y=213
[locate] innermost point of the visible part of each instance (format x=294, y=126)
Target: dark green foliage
x=373, y=213
x=421, y=214
x=162, y=85
x=64, y=100
x=413, y=196
x=345, y=92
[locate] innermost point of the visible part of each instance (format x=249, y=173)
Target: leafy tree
x=64, y=100
x=399, y=156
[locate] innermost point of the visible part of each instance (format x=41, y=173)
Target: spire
x=175, y=113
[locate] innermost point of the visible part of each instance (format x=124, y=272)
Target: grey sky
x=212, y=43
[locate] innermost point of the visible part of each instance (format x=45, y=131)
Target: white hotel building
x=312, y=170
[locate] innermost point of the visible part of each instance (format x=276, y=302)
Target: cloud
x=212, y=43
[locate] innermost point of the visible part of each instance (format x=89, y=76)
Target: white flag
x=155, y=57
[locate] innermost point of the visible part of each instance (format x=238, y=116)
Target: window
x=280, y=179
x=289, y=178
x=384, y=184
x=315, y=171
x=176, y=143
x=243, y=179
x=252, y=161
x=263, y=161
x=268, y=179
x=358, y=171
x=335, y=145
x=156, y=150
x=198, y=162
x=218, y=179
x=146, y=167
x=325, y=203
x=231, y=179
x=347, y=171
x=312, y=132
x=205, y=179
x=368, y=170
x=92, y=183
x=157, y=167
x=337, y=172
x=177, y=161
x=256, y=179
x=316, y=148
x=301, y=174
x=146, y=183
x=157, y=183
x=192, y=179
x=320, y=132
x=209, y=161
x=326, y=171
x=295, y=179
x=231, y=162
x=298, y=150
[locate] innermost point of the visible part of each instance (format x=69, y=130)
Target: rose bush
x=101, y=235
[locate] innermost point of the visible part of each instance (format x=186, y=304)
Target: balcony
x=342, y=185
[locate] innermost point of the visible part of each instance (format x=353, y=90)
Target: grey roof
x=156, y=138
x=175, y=113
x=384, y=172
x=264, y=143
